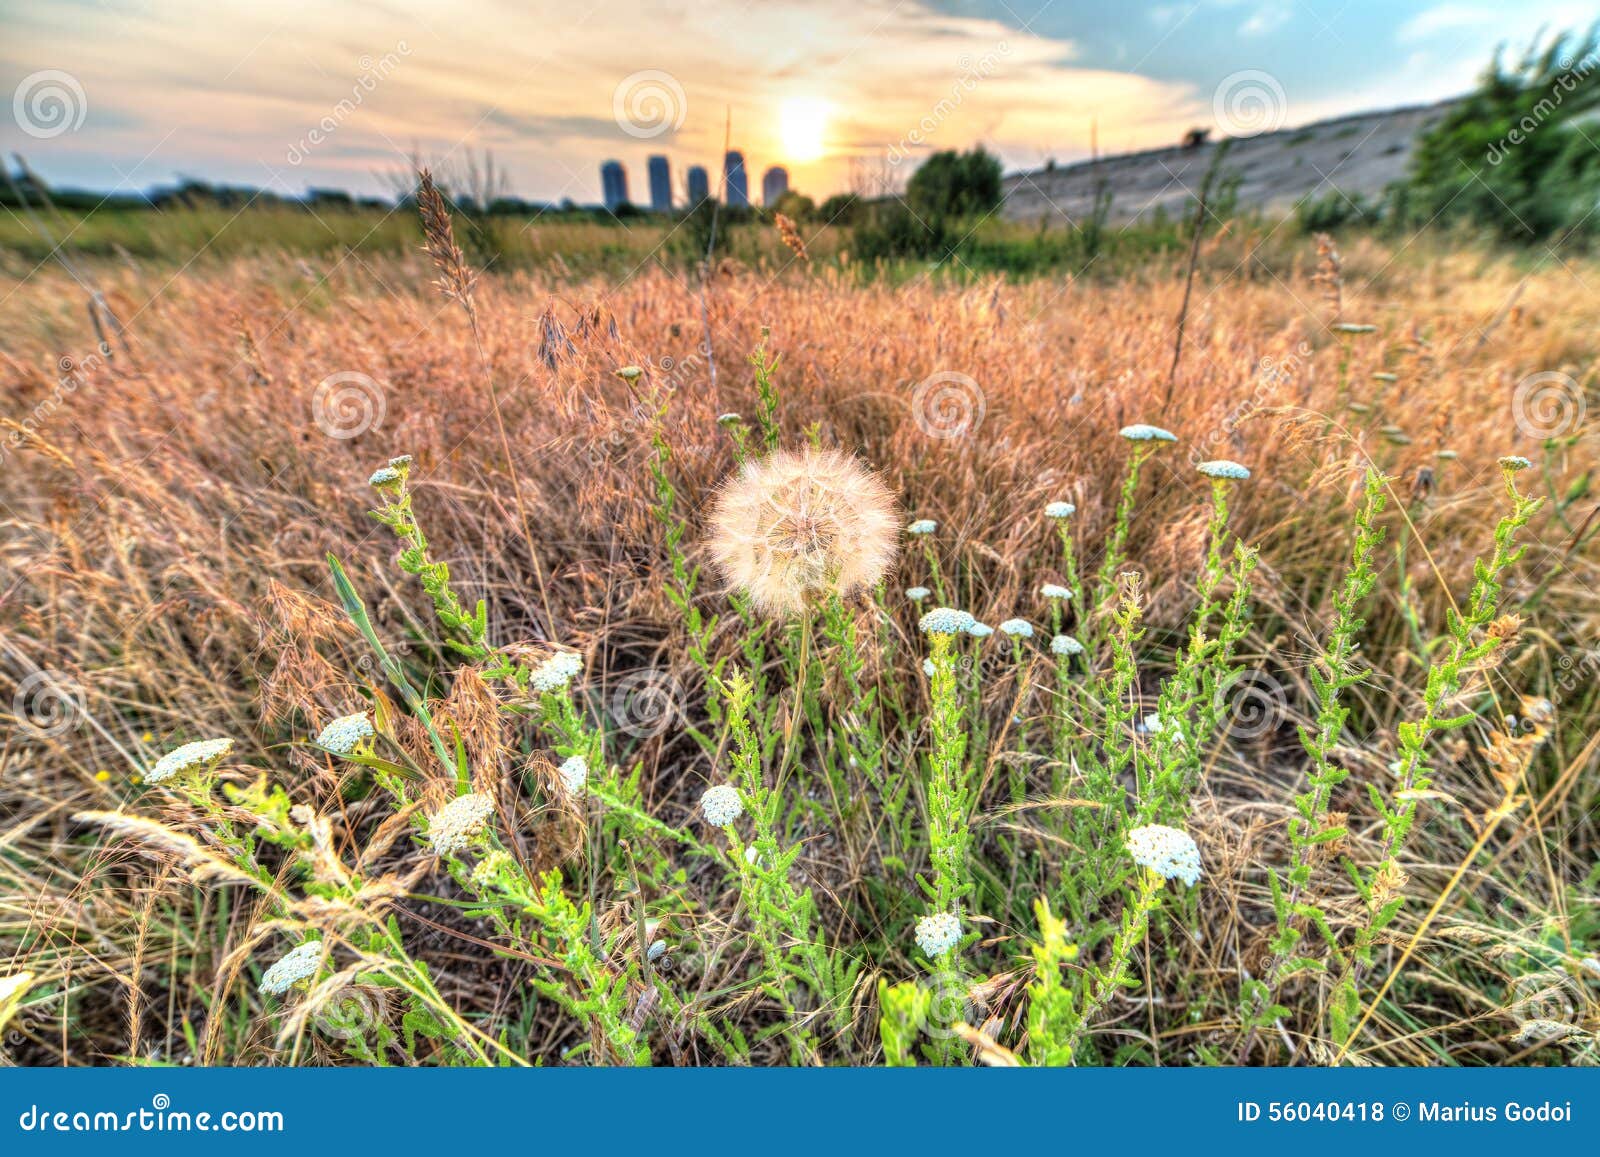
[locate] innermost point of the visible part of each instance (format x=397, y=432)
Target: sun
x=803, y=122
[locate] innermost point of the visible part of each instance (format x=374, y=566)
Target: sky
x=129, y=94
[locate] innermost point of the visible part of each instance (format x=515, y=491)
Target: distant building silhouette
x=774, y=184
x=734, y=179
x=660, y=184
x=613, y=185
x=699, y=185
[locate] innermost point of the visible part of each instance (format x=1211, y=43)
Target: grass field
x=1361, y=679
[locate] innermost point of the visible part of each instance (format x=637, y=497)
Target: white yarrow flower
x=1143, y=433
x=1055, y=591
x=1514, y=463
x=574, y=774
x=296, y=965
x=384, y=476
x=1166, y=851
x=938, y=933
x=346, y=733
x=922, y=526
x=927, y=668
x=1017, y=628
x=1222, y=468
x=946, y=621
x=721, y=805
x=556, y=672
x=204, y=753
x=980, y=630
x=1151, y=723
x=917, y=594
x=1059, y=510
x=459, y=822
x=1065, y=645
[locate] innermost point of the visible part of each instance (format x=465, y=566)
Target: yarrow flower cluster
x=204, y=753
x=980, y=630
x=1065, y=645
x=459, y=822
x=346, y=733
x=946, y=621
x=1167, y=852
x=917, y=594
x=721, y=805
x=1017, y=628
x=296, y=965
x=1055, y=591
x=1143, y=433
x=922, y=526
x=556, y=672
x=1059, y=510
x=574, y=774
x=1151, y=723
x=1514, y=463
x=1222, y=468
x=384, y=476
x=938, y=933
x=729, y=419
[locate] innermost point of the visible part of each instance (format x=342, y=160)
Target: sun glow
x=803, y=122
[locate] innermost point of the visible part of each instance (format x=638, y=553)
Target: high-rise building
x=660, y=184
x=614, y=185
x=774, y=184
x=699, y=185
x=734, y=180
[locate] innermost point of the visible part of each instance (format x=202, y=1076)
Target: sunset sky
x=292, y=94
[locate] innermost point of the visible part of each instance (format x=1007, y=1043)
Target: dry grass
x=167, y=516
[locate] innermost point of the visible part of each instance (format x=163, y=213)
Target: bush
x=952, y=184
x=894, y=230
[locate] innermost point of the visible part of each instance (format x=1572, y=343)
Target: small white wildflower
x=489, y=869
x=917, y=594
x=1059, y=510
x=384, y=476
x=927, y=668
x=1222, y=468
x=296, y=965
x=574, y=774
x=729, y=419
x=459, y=822
x=752, y=856
x=946, y=621
x=657, y=949
x=1017, y=628
x=204, y=753
x=346, y=733
x=922, y=526
x=1446, y=455
x=721, y=805
x=938, y=933
x=1143, y=433
x=980, y=630
x=1514, y=462
x=1166, y=851
x=401, y=461
x=1350, y=327
x=1151, y=724
x=1065, y=645
x=1055, y=591
x=556, y=672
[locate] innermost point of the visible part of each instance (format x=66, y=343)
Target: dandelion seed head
x=946, y=621
x=1055, y=591
x=346, y=733
x=1512, y=463
x=1166, y=851
x=556, y=672
x=1017, y=628
x=1222, y=468
x=922, y=527
x=1059, y=510
x=574, y=774
x=1065, y=645
x=1143, y=433
x=938, y=933
x=917, y=594
x=721, y=805
x=294, y=966
x=797, y=526
x=204, y=753
x=459, y=822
